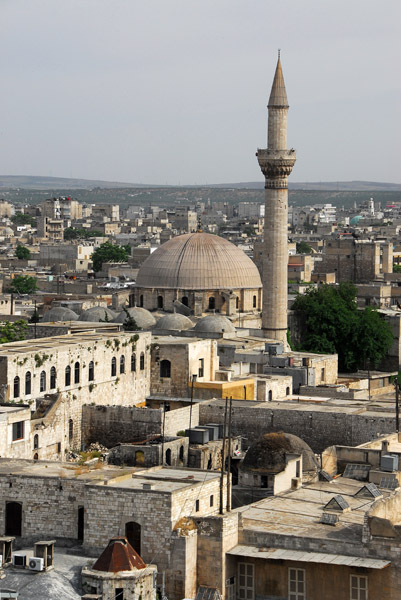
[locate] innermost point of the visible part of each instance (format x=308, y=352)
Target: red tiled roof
x=119, y=556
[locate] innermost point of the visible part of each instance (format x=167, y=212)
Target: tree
x=23, y=284
x=22, y=252
x=108, y=252
x=13, y=332
x=332, y=323
x=75, y=233
x=130, y=324
x=21, y=219
x=303, y=248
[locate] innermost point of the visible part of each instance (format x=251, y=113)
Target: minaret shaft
x=276, y=163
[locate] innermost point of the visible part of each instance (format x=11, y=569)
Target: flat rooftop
x=56, y=342
x=297, y=513
x=160, y=479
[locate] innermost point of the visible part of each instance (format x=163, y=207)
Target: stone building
x=359, y=261
x=45, y=500
x=76, y=369
x=203, y=272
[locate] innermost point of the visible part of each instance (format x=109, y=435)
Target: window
x=184, y=300
x=246, y=581
x=160, y=302
x=237, y=303
x=201, y=367
x=133, y=363
x=28, y=383
x=91, y=371
x=43, y=381
x=18, y=431
x=122, y=364
x=76, y=372
x=70, y=431
x=254, y=302
x=68, y=375
x=358, y=587
x=287, y=391
x=142, y=361
x=322, y=374
x=113, y=367
x=52, y=378
x=212, y=303
x=196, y=505
x=16, y=387
x=35, y=441
x=141, y=300
x=119, y=594
x=211, y=500
x=165, y=368
x=270, y=395
x=296, y=584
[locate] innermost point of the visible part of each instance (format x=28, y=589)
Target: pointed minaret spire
x=278, y=95
x=276, y=163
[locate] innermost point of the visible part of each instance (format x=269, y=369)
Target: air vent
x=368, y=491
x=329, y=519
x=338, y=503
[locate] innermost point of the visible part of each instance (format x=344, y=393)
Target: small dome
x=215, y=324
x=355, y=220
x=59, y=313
x=143, y=318
x=96, y=314
x=268, y=453
x=175, y=322
x=198, y=261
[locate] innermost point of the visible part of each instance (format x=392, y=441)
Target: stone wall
x=111, y=425
x=318, y=428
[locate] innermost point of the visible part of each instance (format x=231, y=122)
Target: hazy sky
x=175, y=91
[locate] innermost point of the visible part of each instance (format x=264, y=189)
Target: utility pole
x=223, y=458
x=229, y=456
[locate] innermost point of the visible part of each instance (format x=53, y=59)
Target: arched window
x=16, y=387
x=133, y=362
x=113, y=367
x=68, y=375
x=91, y=371
x=141, y=300
x=168, y=456
x=122, y=364
x=287, y=391
x=76, y=372
x=142, y=361
x=53, y=378
x=165, y=368
x=42, y=381
x=254, y=302
x=184, y=300
x=270, y=395
x=35, y=441
x=160, y=302
x=212, y=303
x=70, y=431
x=28, y=383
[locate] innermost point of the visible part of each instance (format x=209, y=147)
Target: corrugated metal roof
x=305, y=556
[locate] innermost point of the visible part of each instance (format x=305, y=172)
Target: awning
x=312, y=557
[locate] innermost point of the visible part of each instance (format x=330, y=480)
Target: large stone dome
x=96, y=314
x=59, y=313
x=214, y=324
x=174, y=322
x=198, y=261
x=267, y=454
x=144, y=319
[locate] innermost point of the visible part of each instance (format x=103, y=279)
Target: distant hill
x=59, y=183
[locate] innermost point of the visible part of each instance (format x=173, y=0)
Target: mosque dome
x=198, y=261
x=175, y=322
x=59, y=313
x=355, y=220
x=267, y=454
x=96, y=314
x=144, y=319
x=214, y=324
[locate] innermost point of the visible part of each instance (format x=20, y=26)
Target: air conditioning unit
x=19, y=560
x=36, y=564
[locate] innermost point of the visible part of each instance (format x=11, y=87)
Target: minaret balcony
x=276, y=163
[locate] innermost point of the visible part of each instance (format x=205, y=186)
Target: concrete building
x=276, y=163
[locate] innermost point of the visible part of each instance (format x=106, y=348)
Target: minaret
x=276, y=163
